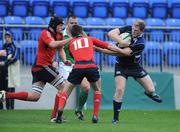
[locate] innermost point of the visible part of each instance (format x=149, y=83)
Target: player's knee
x=119, y=93
x=118, y=99
x=34, y=96
x=120, y=90
x=85, y=89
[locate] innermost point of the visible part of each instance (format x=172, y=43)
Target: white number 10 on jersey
x=81, y=43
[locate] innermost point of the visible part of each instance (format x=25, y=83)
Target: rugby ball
x=126, y=36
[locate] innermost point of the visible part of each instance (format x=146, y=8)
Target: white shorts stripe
x=57, y=81
x=34, y=86
x=60, y=81
x=50, y=71
x=37, y=89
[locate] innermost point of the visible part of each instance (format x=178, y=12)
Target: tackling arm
x=58, y=44
x=114, y=50
x=105, y=51
x=119, y=51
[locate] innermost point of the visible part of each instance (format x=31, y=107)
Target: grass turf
x=130, y=121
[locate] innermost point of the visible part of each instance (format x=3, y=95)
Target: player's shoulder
x=89, y=37
x=141, y=39
x=127, y=27
x=45, y=32
x=124, y=29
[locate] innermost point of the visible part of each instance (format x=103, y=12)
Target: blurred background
x=26, y=18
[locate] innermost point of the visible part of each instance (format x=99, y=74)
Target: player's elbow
x=113, y=33
x=109, y=34
x=52, y=44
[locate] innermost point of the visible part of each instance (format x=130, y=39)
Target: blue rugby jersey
x=135, y=59
x=12, y=50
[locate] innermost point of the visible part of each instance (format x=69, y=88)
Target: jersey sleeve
x=46, y=37
x=125, y=29
x=99, y=43
x=139, y=42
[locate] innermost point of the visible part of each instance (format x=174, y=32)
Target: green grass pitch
x=130, y=121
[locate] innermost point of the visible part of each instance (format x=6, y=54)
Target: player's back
x=81, y=48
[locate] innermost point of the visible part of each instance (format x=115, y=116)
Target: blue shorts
x=136, y=71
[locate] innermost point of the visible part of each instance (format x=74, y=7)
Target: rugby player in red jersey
x=81, y=49
x=42, y=71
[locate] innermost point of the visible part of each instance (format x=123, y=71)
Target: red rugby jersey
x=45, y=54
x=82, y=50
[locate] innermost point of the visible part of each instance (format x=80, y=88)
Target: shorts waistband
x=84, y=62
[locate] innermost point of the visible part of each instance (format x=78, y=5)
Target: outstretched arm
x=58, y=44
x=105, y=51
x=119, y=51
x=114, y=50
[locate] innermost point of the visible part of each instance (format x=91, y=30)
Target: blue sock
x=117, y=108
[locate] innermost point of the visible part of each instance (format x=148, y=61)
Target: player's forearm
x=58, y=44
x=62, y=55
x=115, y=35
x=116, y=50
x=122, y=43
x=105, y=51
x=3, y=53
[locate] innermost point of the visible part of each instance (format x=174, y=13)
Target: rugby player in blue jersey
x=130, y=66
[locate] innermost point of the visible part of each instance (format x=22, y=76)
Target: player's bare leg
x=28, y=96
x=120, y=83
x=85, y=86
x=148, y=85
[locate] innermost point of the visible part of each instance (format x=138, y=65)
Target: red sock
x=17, y=95
x=97, y=100
x=62, y=100
x=56, y=103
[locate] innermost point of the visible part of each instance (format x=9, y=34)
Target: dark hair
x=55, y=21
x=71, y=16
x=8, y=34
x=76, y=30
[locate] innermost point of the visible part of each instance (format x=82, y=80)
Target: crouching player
x=81, y=49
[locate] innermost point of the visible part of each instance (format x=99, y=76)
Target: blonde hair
x=141, y=24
